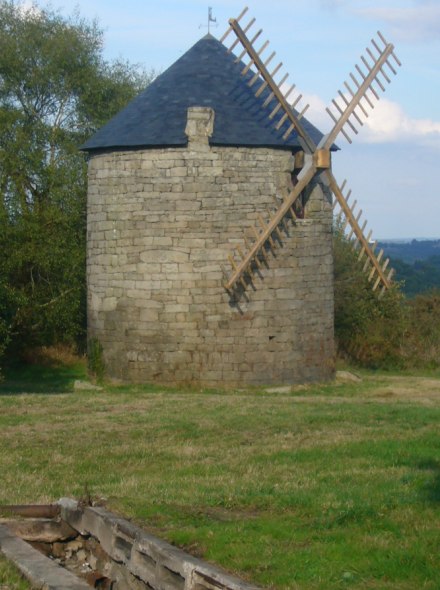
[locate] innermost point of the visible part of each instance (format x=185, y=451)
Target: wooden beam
x=371, y=77
x=268, y=78
x=375, y=261
x=304, y=178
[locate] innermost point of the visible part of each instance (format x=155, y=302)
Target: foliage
x=418, y=277
x=389, y=331
x=423, y=334
x=55, y=90
x=369, y=329
x=417, y=264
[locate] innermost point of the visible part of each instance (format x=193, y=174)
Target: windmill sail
x=347, y=112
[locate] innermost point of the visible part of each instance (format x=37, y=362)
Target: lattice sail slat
x=344, y=112
x=268, y=83
x=347, y=111
x=367, y=249
x=257, y=249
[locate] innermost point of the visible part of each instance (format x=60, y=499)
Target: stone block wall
x=161, y=223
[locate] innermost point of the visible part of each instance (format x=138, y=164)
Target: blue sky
x=392, y=164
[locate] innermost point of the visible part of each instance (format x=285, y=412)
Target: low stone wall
x=145, y=558
x=85, y=546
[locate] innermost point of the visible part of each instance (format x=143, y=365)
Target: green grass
x=10, y=578
x=52, y=378
x=331, y=486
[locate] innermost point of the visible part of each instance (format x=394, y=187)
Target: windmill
x=183, y=178
x=346, y=112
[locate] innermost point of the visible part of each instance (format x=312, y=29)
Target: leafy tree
x=369, y=329
x=56, y=89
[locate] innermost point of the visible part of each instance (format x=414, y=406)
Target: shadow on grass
x=431, y=489
x=22, y=379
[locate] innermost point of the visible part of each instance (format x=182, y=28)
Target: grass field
x=334, y=486
x=10, y=578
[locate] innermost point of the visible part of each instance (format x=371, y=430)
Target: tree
x=56, y=89
x=369, y=330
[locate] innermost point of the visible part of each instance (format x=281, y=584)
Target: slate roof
x=206, y=75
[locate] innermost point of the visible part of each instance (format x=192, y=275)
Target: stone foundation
x=161, y=224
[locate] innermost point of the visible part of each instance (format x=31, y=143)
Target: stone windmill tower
x=189, y=176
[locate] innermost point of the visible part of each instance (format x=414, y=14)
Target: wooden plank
x=240, y=252
x=281, y=121
x=362, y=252
x=367, y=65
x=376, y=266
x=344, y=98
x=237, y=41
x=256, y=260
x=289, y=131
x=368, y=260
x=243, y=53
x=266, y=82
x=375, y=261
x=341, y=112
x=370, y=104
x=335, y=119
x=262, y=251
x=304, y=178
x=364, y=225
x=277, y=229
x=273, y=86
x=322, y=159
x=251, y=63
x=356, y=98
x=376, y=284
x=263, y=227
x=358, y=216
x=238, y=19
x=232, y=261
x=350, y=215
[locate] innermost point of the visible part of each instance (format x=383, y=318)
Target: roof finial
x=211, y=19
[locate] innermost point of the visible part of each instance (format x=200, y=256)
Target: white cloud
x=417, y=23
x=388, y=122
x=317, y=113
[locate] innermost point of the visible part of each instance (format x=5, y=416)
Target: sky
x=391, y=166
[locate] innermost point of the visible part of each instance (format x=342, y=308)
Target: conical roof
x=205, y=76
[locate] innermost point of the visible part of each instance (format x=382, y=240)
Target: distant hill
x=416, y=262
x=412, y=250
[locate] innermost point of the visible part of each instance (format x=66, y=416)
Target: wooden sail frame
x=346, y=112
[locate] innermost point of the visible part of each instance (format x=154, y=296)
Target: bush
x=369, y=329
x=422, y=344
x=381, y=332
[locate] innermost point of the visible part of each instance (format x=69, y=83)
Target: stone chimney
x=199, y=125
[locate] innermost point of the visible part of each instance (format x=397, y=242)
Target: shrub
x=422, y=345
x=369, y=329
